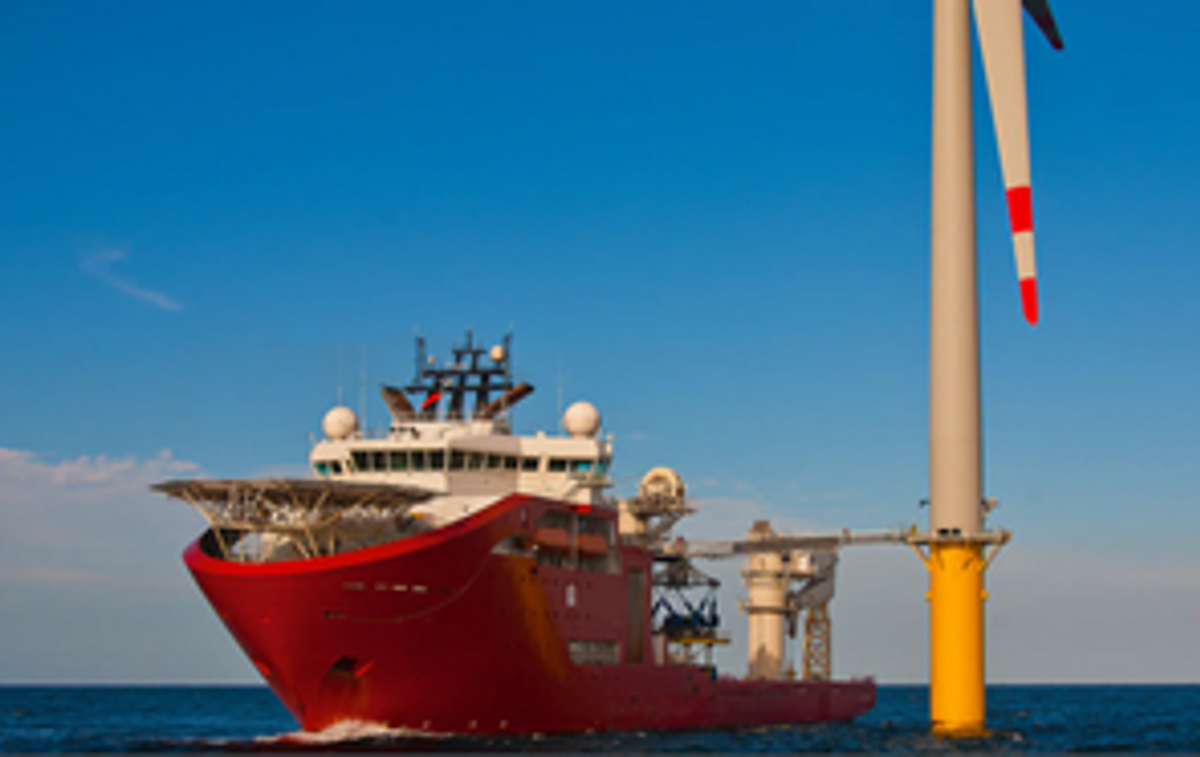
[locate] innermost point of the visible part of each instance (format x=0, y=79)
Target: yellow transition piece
x=956, y=649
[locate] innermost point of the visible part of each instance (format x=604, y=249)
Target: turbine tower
x=958, y=548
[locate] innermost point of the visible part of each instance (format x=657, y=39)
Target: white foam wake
x=348, y=731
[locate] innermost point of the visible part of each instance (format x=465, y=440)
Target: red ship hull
x=444, y=633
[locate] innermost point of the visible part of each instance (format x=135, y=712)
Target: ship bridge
x=450, y=433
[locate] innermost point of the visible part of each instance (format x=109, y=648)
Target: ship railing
x=591, y=478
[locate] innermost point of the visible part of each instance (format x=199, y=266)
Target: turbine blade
x=1039, y=10
x=1000, y=38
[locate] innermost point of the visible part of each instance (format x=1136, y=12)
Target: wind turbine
x=958, y=549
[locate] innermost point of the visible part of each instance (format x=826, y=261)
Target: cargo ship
x=446, y=575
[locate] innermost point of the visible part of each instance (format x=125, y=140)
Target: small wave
x=347, y=732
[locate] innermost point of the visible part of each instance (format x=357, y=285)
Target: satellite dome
x=339, y=423
x=498, y=354
x=582, y=420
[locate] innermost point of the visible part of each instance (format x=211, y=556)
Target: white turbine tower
x=958, y=546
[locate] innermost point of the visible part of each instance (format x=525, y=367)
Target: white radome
x=497, y=354
x=339, y=423
x=582, y=420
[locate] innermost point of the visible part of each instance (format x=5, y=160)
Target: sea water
x=186, y=719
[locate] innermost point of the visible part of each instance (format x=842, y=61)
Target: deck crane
x=786, y=576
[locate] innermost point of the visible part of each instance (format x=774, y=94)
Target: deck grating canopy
x=299, y=494
x=267, y=519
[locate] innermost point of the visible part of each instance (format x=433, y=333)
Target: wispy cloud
x=90, y=518
x=91, y=585
x=62, y=520
x=99, y=265
x=23, y=471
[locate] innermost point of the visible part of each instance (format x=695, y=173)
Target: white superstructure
x=467, y=457
x=470, y=458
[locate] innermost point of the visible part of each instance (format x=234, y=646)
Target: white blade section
x=1002, y=43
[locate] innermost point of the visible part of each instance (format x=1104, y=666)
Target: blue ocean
x=240, y=719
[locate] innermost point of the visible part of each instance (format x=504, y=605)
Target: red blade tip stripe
x=1020, y=209
x=1029, y=300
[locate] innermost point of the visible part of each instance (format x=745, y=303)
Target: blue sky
x=709, y=220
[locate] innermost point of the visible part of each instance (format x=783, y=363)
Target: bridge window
x=379, y=461
x=581, y=466
x=321, y=467
x=417, y=459
x=437, y=459
x=336, y=467
x=400, y=460
x=493, y=461
x=558, y=465
x=361, y=461
x=530, y=463
x=510, y=463
x=475, y=461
